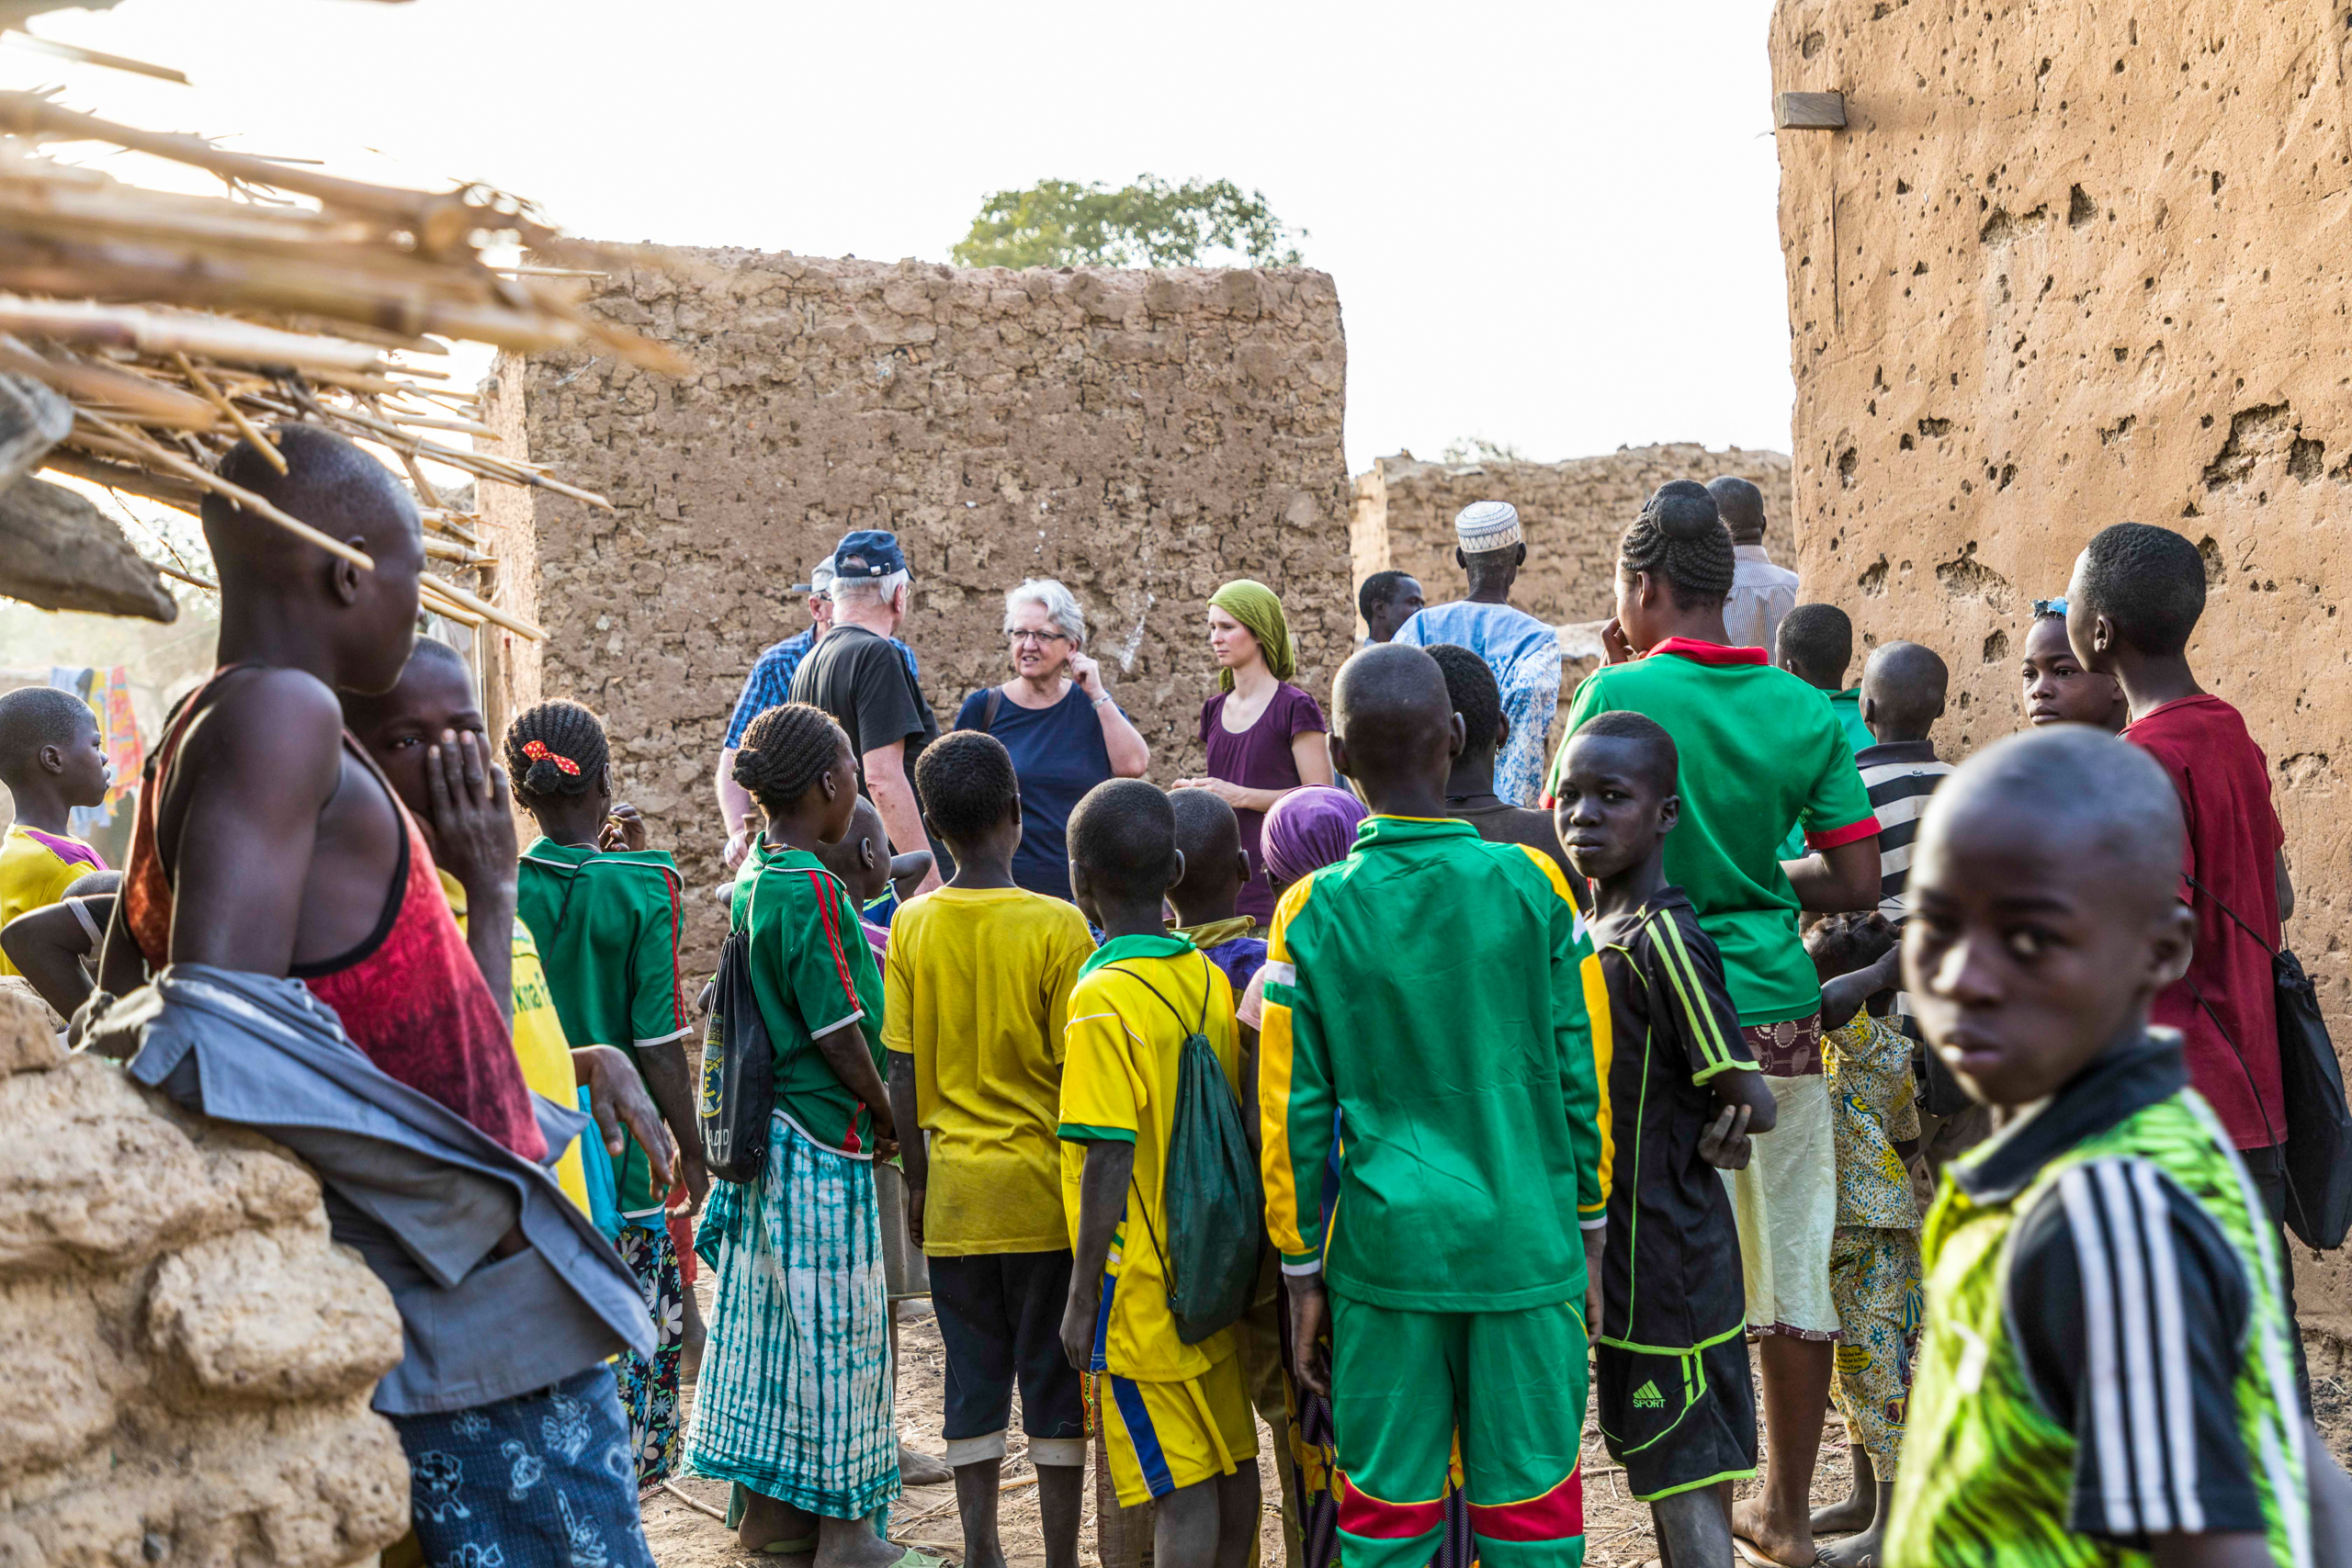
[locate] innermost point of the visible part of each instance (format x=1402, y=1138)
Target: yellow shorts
x=1161, y=1436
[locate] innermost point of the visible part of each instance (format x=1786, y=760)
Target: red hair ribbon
x=537, y=751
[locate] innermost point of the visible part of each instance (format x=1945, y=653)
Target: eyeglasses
x=1040, y=639
x=2048, y=607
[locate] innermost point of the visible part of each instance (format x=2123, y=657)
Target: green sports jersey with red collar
x=607, y=926
x=1760, y=752
x=1437, y=995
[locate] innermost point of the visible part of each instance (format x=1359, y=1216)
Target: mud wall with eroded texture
x=2070, y=266
x=1143, y=436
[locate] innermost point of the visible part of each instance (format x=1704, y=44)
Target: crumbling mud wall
x=189, y=1359
x=1141, y=435
x=2071, y=266
x=1573, y=512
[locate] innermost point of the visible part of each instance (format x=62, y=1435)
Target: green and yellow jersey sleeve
x=1297, y=1106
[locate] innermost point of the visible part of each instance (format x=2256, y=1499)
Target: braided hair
x=785, y=752
x=1679, y=536
x=556, y=748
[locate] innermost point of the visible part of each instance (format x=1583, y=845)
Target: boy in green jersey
x=1760, y=752
x=1431, y=989
x=2106, y=1376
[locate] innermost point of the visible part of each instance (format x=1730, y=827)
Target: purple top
x=1259, y=757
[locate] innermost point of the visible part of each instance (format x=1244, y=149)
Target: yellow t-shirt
x=540, y=1045
x=1119, y=1080
x=976, y=991
x=35, y=869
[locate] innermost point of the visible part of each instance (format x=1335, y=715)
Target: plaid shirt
x=770, y=682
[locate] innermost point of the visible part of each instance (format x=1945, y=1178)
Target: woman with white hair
x=1059, y=721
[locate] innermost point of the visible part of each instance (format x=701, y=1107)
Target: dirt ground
x=1617, y=1529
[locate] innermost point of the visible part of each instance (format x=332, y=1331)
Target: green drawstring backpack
x=1216, y=1203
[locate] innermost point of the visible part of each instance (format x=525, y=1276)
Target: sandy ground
x=1617, y=1531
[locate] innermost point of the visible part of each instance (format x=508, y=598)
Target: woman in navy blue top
x=1056, y=717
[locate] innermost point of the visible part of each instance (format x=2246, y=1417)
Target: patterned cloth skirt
x=649, y=1383
x=793, y=1399
x=543, y=1480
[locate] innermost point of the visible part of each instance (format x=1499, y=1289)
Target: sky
x=1552, y=224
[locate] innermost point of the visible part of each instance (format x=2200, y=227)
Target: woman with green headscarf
x=1265, y=737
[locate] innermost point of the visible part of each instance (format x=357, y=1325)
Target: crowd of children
x=1611, y=1092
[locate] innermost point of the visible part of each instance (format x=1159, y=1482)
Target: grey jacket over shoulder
x=422, y=1194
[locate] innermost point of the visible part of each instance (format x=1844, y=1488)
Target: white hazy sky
x=1552, y=223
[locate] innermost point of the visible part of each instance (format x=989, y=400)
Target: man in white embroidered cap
x=1523, y=652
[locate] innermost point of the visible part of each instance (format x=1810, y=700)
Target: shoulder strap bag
x=2317, y=1163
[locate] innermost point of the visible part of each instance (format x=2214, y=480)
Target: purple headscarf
x=1309, y=829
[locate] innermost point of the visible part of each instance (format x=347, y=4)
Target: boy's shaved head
x=1639, y=743
x=1206, y=829
x=2045, y=909
x=1817, y=641
x=2107, y=797
x=1741, y=506
x=861, y=857
x=2149, y=582
x=1393, y=714
x=1122, y=840
x=1471, y=687
x=366, y=617
x=1903, y=686
x=34, y=717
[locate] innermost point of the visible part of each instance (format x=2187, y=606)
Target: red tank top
x=410, y=996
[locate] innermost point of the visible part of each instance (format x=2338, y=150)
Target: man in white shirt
x=1760, y=593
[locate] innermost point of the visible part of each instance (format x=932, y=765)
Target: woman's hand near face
x=1086, y=672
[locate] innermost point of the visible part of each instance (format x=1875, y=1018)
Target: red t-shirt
x=2234, y=841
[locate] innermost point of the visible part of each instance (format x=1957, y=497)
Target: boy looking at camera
x=2108, y=1367
x=1677, y=1408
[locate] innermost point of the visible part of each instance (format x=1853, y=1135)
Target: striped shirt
x=1899, y=776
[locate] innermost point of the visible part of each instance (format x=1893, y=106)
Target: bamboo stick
x=485, y=609
x=439, y=222
x=159, y=332
x=450, y=550
x=150, y=402
x=244, y=499
x=462, y=426
x=96, y=57
x=122, y=477
x=187, y=577
x=261, y=444
x=447, y=611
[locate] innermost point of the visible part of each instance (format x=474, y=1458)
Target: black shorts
x=1000, y=1319
x=1677, y=1421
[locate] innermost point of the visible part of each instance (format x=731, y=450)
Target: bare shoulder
x=284, y=720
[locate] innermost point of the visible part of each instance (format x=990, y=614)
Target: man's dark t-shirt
x=863, y=680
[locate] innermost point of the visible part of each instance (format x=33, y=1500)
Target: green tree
x=1148, y=223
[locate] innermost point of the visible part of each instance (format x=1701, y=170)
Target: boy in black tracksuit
x=1676, y=1405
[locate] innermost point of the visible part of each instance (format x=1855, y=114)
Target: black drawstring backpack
x=738, y=1067
x=2318, y=1164
x=1216, y=1200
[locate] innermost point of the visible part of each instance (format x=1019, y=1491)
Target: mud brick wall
x=1573, y=513
x=1143, y=436
x=190, y=1357
x=2075, y=266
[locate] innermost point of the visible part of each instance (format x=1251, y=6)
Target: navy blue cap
x=867, y=553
